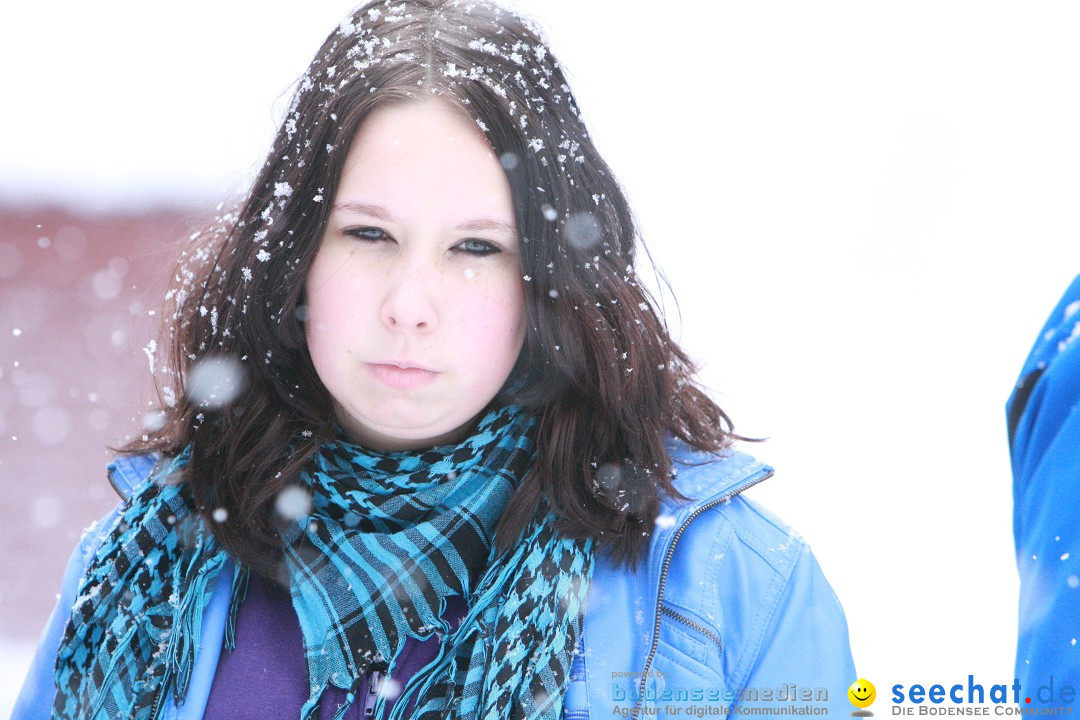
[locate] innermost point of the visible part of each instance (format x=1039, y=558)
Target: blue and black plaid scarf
x=387, y=537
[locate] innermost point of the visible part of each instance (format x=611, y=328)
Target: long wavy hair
x=606, y=381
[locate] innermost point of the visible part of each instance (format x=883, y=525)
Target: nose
x=408, y=302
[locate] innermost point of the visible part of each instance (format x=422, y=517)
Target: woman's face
x=418, y=268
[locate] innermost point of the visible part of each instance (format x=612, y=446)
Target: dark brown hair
x=607, y=383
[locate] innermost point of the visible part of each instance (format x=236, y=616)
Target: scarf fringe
x=241, y=581
x=101, y=699
x=307, y=712
x=421, y=682
x=187, y=625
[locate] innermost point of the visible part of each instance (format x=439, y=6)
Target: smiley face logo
x=862, y=693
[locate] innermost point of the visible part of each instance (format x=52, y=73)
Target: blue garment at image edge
x=738, y=598
x=1044, y=439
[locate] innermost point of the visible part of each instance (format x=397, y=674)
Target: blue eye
x=360, y=233
x=473, y=246
x=469, y=246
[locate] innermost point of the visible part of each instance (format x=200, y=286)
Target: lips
x=404, y=364
x=399, y=377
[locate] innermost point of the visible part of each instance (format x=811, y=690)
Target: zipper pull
x=375, y=679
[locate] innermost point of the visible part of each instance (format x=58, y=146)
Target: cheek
x=331, y=302
x=496, y=324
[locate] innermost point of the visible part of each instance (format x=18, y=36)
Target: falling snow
x=214, y=381
x=583, y=230
x=665, y=522
x=153, y=420
x=509, y=160
x=293, y=502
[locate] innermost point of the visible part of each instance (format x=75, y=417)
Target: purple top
x=266, y=675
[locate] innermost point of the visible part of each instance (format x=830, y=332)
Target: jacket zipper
x=374, y=681
x=667, y=565
x=116, y=487
x=701, y=629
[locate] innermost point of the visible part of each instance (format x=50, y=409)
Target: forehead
x=424, y=155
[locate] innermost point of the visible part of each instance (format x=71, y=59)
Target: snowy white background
x=866, y=211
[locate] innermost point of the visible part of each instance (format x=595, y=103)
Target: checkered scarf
x=386, y=538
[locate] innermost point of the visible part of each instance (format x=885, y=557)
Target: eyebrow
x=377, y=211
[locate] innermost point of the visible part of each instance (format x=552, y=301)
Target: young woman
x=428, y=449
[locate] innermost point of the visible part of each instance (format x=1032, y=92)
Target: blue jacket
x=1044, y=440
x=729, y=602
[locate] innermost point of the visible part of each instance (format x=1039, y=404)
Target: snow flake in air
x=51, y=425
x=215, y=381
x=153, y=420
x=509, y=160
x=293, y=502
x=583, y=230
x=46, y=511
x=389, y=688
x=664, y=521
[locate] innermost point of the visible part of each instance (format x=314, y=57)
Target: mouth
x=401, y=378
x=403, y=364
x=857, y=697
